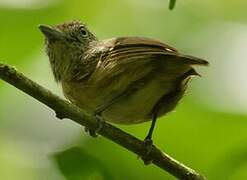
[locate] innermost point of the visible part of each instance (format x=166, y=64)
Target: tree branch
x=64, y=109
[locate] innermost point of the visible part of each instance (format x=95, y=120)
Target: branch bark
x=64, y=109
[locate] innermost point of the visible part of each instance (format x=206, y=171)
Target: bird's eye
x=83, y=31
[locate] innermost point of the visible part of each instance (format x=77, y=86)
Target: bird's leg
x=100, y=122
x=148, y=142
x=151, y=129
x=99, y=118
x=167, y=101
x=131, y=89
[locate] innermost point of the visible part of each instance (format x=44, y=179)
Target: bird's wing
x=138, y=46
x=135, y=57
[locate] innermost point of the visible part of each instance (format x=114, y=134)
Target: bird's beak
x=51, y=33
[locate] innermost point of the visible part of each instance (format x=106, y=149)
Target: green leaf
x=172, y=4
x=75, y=163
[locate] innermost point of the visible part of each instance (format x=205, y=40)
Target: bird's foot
x=148, y=144
x=94, y=132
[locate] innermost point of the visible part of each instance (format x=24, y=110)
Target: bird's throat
x=63, y=60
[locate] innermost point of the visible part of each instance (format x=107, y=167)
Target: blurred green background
x=206, y=132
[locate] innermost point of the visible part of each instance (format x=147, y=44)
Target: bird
x=121, y=80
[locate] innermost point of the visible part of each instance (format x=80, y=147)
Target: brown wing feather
x=142, y=42
x=136, y=57
x=131, y=46
x=125, y=61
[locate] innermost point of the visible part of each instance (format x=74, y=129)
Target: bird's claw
x=148, y=144
x=94, y=132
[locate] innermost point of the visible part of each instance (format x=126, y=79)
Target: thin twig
x=64, y=109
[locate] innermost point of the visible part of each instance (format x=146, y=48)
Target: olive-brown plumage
x=126, y=80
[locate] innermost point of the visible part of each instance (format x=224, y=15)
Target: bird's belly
x=137, y=107
x=129, y=109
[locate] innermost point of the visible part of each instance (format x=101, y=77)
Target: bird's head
x=66, y=44
x=72, y=33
